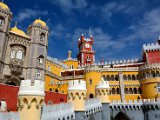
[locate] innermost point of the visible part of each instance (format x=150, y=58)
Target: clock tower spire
x=86, y=55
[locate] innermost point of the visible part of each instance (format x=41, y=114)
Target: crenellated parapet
x=62, y=111
x=154, y=66
x=77, y=85
x=77, y=94
x=136, y=104
x=92, y=69
x=92, y=106
x=29, y=88
x=151, y=47
x=57, y=62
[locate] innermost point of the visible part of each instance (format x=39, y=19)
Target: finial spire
x=39, y=18
x=159, y=37
x=90, y=32
x=2, y=1
x=16, y=23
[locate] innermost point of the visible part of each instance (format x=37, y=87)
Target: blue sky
x=119, y=27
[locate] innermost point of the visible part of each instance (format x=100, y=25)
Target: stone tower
x=5, y=19
x=86, y=54
x=77, y=94
x=38, y=32
x=30, y=99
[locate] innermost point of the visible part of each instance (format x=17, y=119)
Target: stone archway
x=122, y=116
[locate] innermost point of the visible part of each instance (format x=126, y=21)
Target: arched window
x=19, y=55
x=124, y=77
x=126, y=90
x=133, y=77
x=41, y=59
x=112, y=77
x=158, y=87
x=38, y=75
x=50, y=102
x=49, y=67
x=129, y=77
x=113, y=91
x=90, y=81
x=13, y=54
x=71, y=67
x=1, y=21
x=108, y=78
x=116, y=77
x=42, y=37
x=91, y=96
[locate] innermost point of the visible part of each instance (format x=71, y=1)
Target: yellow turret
x=102, y=91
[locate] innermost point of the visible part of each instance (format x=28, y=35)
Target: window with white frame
x=42, y=37
x=13, y=54
x=19, y=54
x=158, y=87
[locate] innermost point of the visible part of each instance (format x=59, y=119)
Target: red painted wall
x=10, y=93
x=153, y=57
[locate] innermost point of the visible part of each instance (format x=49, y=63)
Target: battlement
x=26, y=88
x=150, y=66
x=57, y=62
x=77, y=85
x=92, y=106
x=151, y=46
x=63, y=111
x=103, y=84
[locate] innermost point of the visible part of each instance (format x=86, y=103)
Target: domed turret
x=4, y=6
x=40, y=22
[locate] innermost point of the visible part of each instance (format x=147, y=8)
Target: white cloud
x=29, y=13
x=68, y=5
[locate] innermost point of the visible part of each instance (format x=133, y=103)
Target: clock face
x=87, y=45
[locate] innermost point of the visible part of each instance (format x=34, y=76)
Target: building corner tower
x=38, y=32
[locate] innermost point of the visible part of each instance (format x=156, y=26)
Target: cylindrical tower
x=150, y=80
x=92, y=77
x=102, y=91
x=30, y=99
x=77, y=94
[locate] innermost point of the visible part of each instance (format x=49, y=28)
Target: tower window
x=49, y=68
x=1, y=21
x=158, y=87
x=38, y=75
x=90, y=81
x=42, y=37
x=19, y=55
x=41, y=59
x=13, y=54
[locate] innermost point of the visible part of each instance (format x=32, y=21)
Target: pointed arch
x=122, y=116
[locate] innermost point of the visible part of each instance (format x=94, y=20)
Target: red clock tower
x=86, y=54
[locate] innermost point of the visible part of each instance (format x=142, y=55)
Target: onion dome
x=19, y=32
x=39, y=21
x=4, y=6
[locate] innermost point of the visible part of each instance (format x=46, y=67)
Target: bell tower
x=86, y=55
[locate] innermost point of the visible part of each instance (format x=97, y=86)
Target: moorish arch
x=121, y=116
